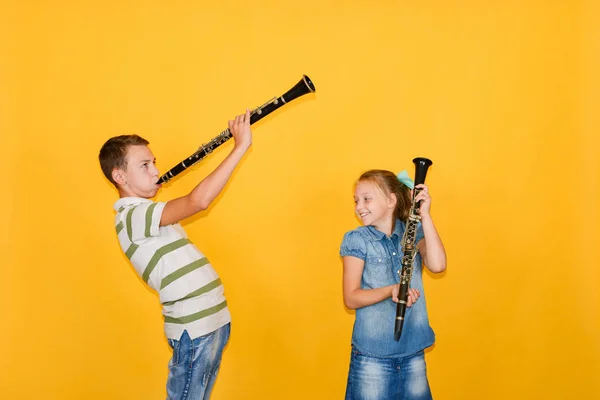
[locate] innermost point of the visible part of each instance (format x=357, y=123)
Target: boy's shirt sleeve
x=143, y=220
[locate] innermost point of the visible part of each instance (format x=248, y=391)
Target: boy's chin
x=151, y=193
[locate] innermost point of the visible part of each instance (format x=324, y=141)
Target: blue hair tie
x=405, y=179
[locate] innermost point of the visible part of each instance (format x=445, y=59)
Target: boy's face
x=140, y=176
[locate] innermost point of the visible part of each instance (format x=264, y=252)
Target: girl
x=380, y=367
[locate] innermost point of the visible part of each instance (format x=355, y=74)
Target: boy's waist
x=199, y=327
x=193, y=299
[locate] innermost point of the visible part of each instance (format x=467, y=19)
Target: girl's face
x=372, y=206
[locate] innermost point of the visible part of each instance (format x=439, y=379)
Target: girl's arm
x=431, y=246
x=355, y=297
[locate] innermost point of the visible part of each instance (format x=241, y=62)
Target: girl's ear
x=392, y=200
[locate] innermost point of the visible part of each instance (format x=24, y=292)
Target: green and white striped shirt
x=190, y=290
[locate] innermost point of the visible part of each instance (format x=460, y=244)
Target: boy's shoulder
x=127, y=202
x=141, y=217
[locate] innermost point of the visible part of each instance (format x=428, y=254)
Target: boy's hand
x=413, y=295
x=240, y=130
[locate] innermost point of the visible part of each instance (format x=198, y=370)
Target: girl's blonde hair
x=388, y=183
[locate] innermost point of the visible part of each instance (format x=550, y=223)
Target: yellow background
x=502, y=96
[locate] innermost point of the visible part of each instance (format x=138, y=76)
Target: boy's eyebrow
x=147, y=160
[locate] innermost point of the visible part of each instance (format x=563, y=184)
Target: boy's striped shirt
x=190, y=290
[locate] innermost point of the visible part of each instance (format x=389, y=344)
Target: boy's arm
x=206, y=191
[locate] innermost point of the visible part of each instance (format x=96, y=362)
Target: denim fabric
x=195, y=363
x=373, y=378
x=373, y=331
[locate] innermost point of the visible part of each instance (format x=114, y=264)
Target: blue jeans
x=374, y=378
x=195, y=363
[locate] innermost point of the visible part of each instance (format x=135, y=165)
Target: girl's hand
x=413, y=295
x=425, y=199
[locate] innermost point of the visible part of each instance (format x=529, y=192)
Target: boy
x=197, y=320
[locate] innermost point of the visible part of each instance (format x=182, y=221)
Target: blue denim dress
x=373, y=332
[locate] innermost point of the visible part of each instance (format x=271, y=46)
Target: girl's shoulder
x=354, y=243
x=360, y=234
x=362, y=231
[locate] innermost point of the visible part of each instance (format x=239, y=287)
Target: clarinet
x=303, y=87
x=409, y=248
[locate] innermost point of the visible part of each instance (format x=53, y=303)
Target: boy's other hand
x=240, y=130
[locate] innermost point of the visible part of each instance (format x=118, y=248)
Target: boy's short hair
x=113, y=153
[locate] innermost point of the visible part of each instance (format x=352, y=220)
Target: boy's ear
x=118, y=176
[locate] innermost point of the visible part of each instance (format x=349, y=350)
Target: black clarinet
x=409, y=248
x=303, y=87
